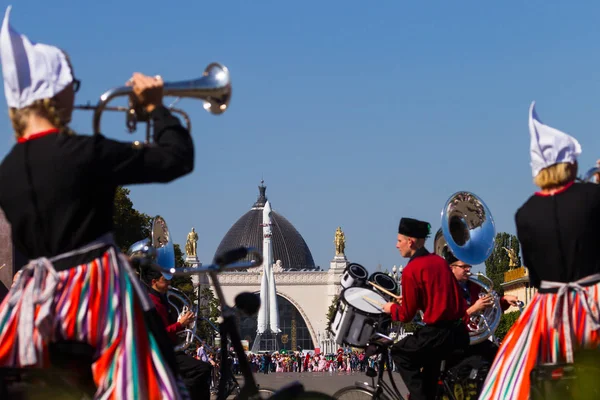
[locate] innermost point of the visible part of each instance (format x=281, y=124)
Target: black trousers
x=419, y=356
x=486, y=350
x=478, y=357
x=196, y=375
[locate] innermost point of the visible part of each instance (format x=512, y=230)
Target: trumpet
x=131, y=115
x=213, y=88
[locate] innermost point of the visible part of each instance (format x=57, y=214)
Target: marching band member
x=427, y=285
x=196, y=373
x=461, y=271
x=558, y=231
x=57, y=191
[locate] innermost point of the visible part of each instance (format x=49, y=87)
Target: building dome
x=288, y=244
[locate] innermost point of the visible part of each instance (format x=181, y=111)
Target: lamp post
x=397, y=274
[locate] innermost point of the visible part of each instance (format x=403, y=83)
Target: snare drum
x=357, y=312
x=386, y=282
x=354, y=275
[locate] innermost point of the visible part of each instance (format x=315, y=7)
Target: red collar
x=564, y=188
x=37, y=135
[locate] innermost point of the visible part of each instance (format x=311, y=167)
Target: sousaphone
x=468, y=232
x=159, y=249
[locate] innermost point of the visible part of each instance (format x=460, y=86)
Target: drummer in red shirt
x=427, y=285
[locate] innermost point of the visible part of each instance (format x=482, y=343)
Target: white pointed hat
x=549, y=146
x=31, y=71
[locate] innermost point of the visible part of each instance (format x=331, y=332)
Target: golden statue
x=191, y=243
x=514, y=258
x=340, y=242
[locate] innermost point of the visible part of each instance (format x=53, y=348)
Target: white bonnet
x=31, y=71
x=549, y=146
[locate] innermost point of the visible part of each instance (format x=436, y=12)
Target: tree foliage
x=331, y=312
x=498, y=263
x=506, y=322
x=209, y=309
x=130, y=225
x=182, y=283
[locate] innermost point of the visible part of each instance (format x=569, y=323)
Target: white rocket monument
x=268, y=314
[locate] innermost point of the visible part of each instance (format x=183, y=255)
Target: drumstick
x=385, y=291
x=374, y=302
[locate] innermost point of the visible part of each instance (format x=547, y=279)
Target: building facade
x=304, y=291
x=516, y=283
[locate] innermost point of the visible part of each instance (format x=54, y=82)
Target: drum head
x=357, y=271
x=364, y=300
x=385, y=281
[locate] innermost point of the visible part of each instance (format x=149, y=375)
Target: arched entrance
x=294, y=330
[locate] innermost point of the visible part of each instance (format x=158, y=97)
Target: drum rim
x=358, y=310
x=379, y=273
x=349, y=266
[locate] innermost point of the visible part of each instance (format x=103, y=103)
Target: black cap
x=414, y=228
x=449, y=256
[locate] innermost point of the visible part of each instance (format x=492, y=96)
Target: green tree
x=209, y=308
x=498, y=262
x=130, y=225
x=331, y=312
x=183, y=283
x=506, y=322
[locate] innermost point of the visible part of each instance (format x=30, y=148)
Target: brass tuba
x=468, y=233
x=181, y=303
x=160, y=250
x=213, y=88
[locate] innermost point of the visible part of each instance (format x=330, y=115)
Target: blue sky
x=355, y=113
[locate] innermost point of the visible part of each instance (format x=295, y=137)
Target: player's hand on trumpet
x=147, y=91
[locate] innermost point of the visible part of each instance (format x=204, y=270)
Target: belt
x=41, y=292
x=562, y=311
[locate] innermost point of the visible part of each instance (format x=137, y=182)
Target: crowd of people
x=307, y=361
x=351, y=361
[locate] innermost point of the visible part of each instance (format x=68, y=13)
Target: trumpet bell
x=213, y=88
x=468, y=228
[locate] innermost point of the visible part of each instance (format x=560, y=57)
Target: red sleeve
x=174, y=328
x=504, y=305
x=410, y=297
x=171, y=329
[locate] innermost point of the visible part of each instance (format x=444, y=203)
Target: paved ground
x=326, y=382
